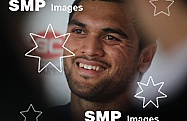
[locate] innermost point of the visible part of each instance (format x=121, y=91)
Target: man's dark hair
x=76, y=2
x=143, y=41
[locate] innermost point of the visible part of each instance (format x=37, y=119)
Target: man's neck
x=79, y=106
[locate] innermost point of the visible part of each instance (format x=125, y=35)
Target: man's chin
x=90, y=90
x=85, y=89
x=89, y=97
x=84, y=94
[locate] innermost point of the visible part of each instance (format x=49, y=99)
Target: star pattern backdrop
x=21, y=84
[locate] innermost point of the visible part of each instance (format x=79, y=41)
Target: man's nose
x=92, y=46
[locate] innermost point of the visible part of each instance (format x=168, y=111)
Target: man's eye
x=109, y=37
x=78, y=31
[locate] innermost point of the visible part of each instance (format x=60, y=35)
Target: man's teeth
x=90, y=67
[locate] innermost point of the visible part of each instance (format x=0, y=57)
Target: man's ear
x=146, y=57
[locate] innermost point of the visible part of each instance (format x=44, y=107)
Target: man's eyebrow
x=75, y=22
x=116, y=31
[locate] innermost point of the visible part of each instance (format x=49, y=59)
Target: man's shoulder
x=57, y=113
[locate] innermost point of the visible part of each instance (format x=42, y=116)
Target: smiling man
x=111, y=56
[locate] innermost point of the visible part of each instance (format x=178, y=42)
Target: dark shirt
x=168, y=112
x=58, y=113
x=63, y=113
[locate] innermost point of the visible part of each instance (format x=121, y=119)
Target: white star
x=31, y=106
x=49, y=62
x=154, y=87
x=155, y=10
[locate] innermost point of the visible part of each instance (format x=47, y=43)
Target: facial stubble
x=107, y=88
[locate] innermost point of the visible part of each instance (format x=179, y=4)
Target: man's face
x=106, y=48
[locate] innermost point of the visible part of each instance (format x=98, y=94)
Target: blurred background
x=22, y=85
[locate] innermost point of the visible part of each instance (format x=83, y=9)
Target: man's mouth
x=90, y=67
